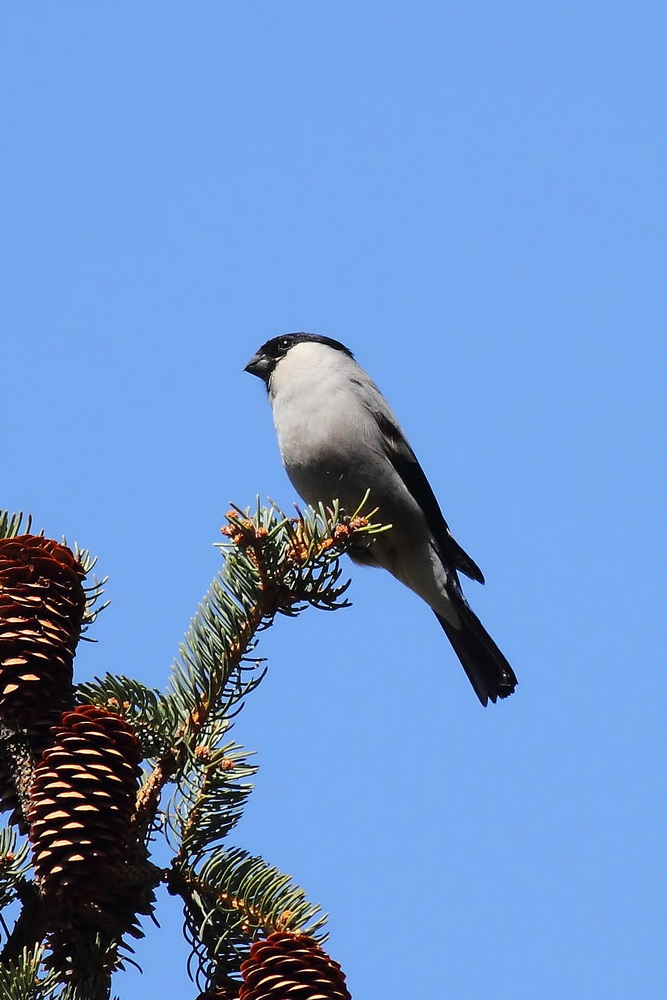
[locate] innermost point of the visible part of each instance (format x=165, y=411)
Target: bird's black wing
x=408, y=468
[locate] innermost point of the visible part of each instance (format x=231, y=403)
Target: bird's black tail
x=488, y=670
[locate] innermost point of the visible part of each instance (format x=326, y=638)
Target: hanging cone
x=82, y=798
x=42, y=604
x=291, y=967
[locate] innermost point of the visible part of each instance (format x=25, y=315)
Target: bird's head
x=271, y=354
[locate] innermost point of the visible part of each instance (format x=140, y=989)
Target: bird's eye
x=283, y=343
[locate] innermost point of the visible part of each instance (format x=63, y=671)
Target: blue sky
x=472, y=197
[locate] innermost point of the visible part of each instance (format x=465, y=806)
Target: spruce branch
x=31, y=925
x=23, y=978
x=11, y=524
x=273, y=565
x=231, y=900
x=90, y=888
x=14, y=865
x=94, y=591
x=151, y=714
x=209, y=800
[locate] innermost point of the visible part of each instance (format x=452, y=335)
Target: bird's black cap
x=263, y=363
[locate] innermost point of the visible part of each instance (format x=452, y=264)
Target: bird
x=338, y=438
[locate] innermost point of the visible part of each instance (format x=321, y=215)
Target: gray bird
x=338, y=438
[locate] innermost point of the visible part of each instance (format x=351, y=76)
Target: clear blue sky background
x=472, y=197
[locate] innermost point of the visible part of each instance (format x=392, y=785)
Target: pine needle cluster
x=96, y=777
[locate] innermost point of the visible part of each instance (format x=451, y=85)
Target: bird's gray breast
x=323, y=456
x=325, y=436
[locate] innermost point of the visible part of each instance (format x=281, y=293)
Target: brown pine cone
x=291, y=967
x=42, y=604
x=82, y=798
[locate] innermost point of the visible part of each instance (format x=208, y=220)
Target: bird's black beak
x=259, y=365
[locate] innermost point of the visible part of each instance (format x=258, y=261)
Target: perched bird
x=338, y=438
